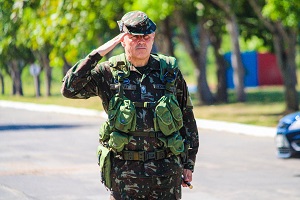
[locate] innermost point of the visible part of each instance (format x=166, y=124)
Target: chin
x=142, y=54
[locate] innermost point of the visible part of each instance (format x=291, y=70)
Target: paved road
x=53, y=156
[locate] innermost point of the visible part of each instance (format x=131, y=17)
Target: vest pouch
x=114, y=102
x=121, y=114
x=164, y=118
x=104, y=132
x=104, y=163
x=113, y=107
x=176, y=144
x=126, y=117
x=175, y=111
x=118, y=140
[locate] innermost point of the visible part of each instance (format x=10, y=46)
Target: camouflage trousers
x=148, y=188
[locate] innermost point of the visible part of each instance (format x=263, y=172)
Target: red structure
x=268, y=70
x=261, y=69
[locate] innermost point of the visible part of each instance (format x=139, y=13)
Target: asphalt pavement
x=50, y=163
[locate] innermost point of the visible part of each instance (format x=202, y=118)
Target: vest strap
x=151, y=134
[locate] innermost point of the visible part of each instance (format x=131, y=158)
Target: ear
x=122, y=43
x=153, y=35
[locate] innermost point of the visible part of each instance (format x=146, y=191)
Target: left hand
x=187, y=176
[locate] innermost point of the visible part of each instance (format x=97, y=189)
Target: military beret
x=136, y=23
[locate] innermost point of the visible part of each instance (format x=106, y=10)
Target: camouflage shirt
x=88, y=78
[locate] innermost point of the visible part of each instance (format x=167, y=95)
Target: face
x=138, y=47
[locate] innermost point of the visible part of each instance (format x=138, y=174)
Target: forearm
x=79, y=76
x=189, y=131
x=110, y=45
x=191, y=138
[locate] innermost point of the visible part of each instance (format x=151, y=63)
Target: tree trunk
x=198, y=58
x=48, y=75
x=16, y=78
x=286, y=60
x=37, y=85
x=66, y=66
x=222, y=95
x=206, y=95
x=2, y=83
x=163, y=39
x=45, y=63
x=284, y=41
x=236, y=60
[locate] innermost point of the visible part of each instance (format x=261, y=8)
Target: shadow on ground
x=19, y=127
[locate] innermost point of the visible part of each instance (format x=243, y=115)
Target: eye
x=134, y=37
x=140, y=37
x=146, y=37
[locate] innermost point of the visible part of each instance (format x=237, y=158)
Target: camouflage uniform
x=149, y=178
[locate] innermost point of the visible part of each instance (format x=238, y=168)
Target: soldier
x=149, y=143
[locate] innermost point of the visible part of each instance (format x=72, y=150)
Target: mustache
x=140, y=46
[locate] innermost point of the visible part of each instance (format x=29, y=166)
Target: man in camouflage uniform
x=152, y=172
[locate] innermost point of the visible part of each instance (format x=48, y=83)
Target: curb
x=49, y=108
x=236, y=128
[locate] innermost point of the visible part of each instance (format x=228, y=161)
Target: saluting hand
x=110, y=45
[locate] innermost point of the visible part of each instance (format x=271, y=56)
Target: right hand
x=187, y=176
x=111, y=44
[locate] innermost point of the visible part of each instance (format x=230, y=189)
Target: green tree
x=195, y=37
x=62, y=31
x=36, y=26
x=215, y=27
x=13, y=56
x=229, y=8
x=282, y=18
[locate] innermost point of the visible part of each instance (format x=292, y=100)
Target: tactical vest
x=117, y=131
x=121, y=124
x=121, y=111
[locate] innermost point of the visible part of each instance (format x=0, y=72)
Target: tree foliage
x=63, y=31
x=285, y=11
x=9, y=47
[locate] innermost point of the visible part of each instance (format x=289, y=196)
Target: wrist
x=95, y=55
x=189, y=166
x=100, y=51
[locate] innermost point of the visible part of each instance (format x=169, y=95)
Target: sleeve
x=86, y=79
x=189, y=131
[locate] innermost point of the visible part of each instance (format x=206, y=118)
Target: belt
x=144, y=155
x=151, y=134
